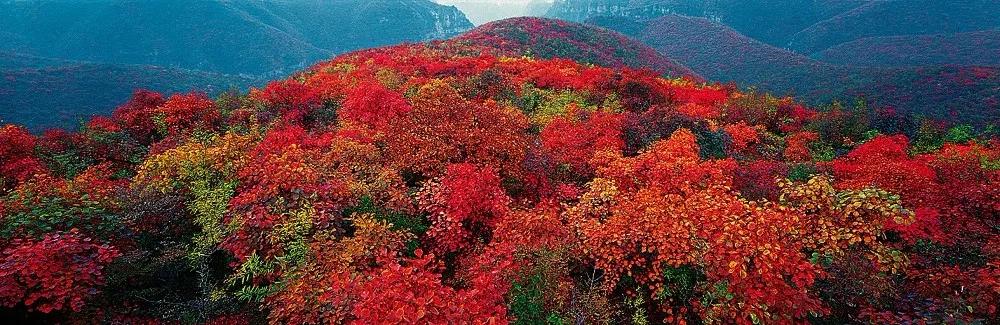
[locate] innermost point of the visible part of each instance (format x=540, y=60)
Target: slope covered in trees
x=233, y=37
x=804, y=26
x=955, y=93
x=898, y=17
x=89, y=92
x=771, y=21
x=980, y=48
x=111, y=47
x=448, y=183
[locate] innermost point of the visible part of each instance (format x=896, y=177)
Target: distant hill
x=898, y=17
x=971, y=48
x=234, y=37
x=719, y=53
x=771, y=21
x=550, y=38
x=64, y=59
x=580, y=10
x=62, y=95
x=11, y=60
x=805, y=26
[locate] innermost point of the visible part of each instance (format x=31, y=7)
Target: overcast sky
x=483, y=11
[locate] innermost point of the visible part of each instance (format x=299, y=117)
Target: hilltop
x=550, y=38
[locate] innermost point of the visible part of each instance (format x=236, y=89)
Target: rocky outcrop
x=447, y=21
x=581, y=10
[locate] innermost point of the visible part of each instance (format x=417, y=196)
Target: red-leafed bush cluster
x=414, y=293
x=465, y=201
x=573, y=142
x=136, y=116
x=373, y=105
x=59, y=272
x=187, y=112
x=18, y=161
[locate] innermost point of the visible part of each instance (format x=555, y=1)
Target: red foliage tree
x=291, y=98
x=373, y=105
x=741, y=136
x=188, y=112
x=797, y=146
x=136, y=115
x=573, y=142
x=666, y=208
x=757, y=179
x=883, y=162
x=445, y=128
x=414, y=293
x=702, y=96
x=464, y=203
x=698, y=112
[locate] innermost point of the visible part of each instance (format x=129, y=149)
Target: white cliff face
x=580, y=10
x=484, y=11
x=448, y=22
x=444, y=21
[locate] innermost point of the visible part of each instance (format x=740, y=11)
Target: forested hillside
x=232, y=37
x=980, y=48
x=111, y=47
x=954, y=93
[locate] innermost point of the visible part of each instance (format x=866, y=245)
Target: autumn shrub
x=61, y=271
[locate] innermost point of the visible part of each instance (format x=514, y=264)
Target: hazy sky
x=483, y=11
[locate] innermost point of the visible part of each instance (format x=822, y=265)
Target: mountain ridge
x=261, y=38
x=722, y=54
x=233, y=43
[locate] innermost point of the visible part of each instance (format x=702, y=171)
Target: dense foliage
x=450, y=183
